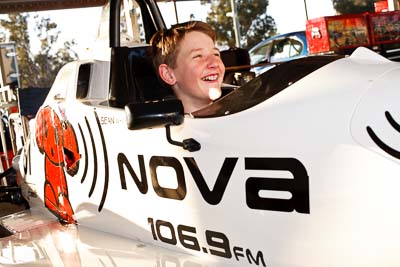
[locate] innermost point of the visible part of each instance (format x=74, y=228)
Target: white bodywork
x=312, y=137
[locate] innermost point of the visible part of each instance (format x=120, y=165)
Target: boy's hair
x=165, y=44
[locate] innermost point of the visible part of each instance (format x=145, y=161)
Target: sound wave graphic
x=382, y=145
x=102, y=147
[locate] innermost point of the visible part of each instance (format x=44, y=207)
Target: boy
x=186, y=58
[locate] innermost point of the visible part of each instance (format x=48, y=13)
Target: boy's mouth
x=210, y=78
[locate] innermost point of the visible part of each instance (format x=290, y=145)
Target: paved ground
x=6, y=205
x=8, y=208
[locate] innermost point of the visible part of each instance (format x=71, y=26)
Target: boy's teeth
x=210, y=78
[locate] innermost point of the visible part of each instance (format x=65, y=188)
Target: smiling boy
x=186, y=58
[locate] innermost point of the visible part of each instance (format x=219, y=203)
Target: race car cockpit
x=148, y=102
x=265, y=86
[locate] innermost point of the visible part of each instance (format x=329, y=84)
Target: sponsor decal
x=298, y=186
x=56, y=140
x=217, y=243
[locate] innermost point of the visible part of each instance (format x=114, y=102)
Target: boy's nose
x=213, y=62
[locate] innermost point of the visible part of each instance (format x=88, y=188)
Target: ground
x=7, y=208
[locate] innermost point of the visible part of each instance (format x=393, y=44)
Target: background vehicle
x=277, y=49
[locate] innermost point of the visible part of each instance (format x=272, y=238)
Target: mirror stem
x=188, y=144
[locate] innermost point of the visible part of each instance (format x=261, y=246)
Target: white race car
x=298, y=167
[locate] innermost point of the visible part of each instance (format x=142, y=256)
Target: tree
x=17, y=26
x=37, y=70
x=254, y=23
x=353, y=6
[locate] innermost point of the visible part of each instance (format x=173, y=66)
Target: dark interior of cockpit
x=136, y=80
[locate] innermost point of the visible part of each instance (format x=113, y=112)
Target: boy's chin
x=214, y=93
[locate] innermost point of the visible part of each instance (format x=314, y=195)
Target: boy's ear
x=166, y=74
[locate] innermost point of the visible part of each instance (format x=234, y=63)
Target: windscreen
x=264, y=86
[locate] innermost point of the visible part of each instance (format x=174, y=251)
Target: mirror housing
x=153, y=114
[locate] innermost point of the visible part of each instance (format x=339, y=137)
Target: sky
x=82, y=24
x=289, y=15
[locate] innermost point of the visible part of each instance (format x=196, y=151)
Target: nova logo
x=297, y=186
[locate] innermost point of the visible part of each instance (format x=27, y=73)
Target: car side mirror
x=153, y=114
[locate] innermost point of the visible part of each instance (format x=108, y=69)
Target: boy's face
x=199, y=69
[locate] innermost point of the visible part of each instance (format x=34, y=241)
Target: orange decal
x=56, y=139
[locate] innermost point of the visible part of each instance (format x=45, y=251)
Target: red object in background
x=385, y=27
x=334, y=33
x=338, y=33
x=382, y=6
x=3, y=161
x=13, y=109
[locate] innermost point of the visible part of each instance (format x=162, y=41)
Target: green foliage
x=37, y=70
x=255, y=24
x=353, y=6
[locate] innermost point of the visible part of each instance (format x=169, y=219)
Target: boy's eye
x=197, y=56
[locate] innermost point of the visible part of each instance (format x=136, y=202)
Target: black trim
x=382, y=145
x=86, y=155
x=106, y=167
x=94, y=159
x=392, y=122
x=115, y=9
